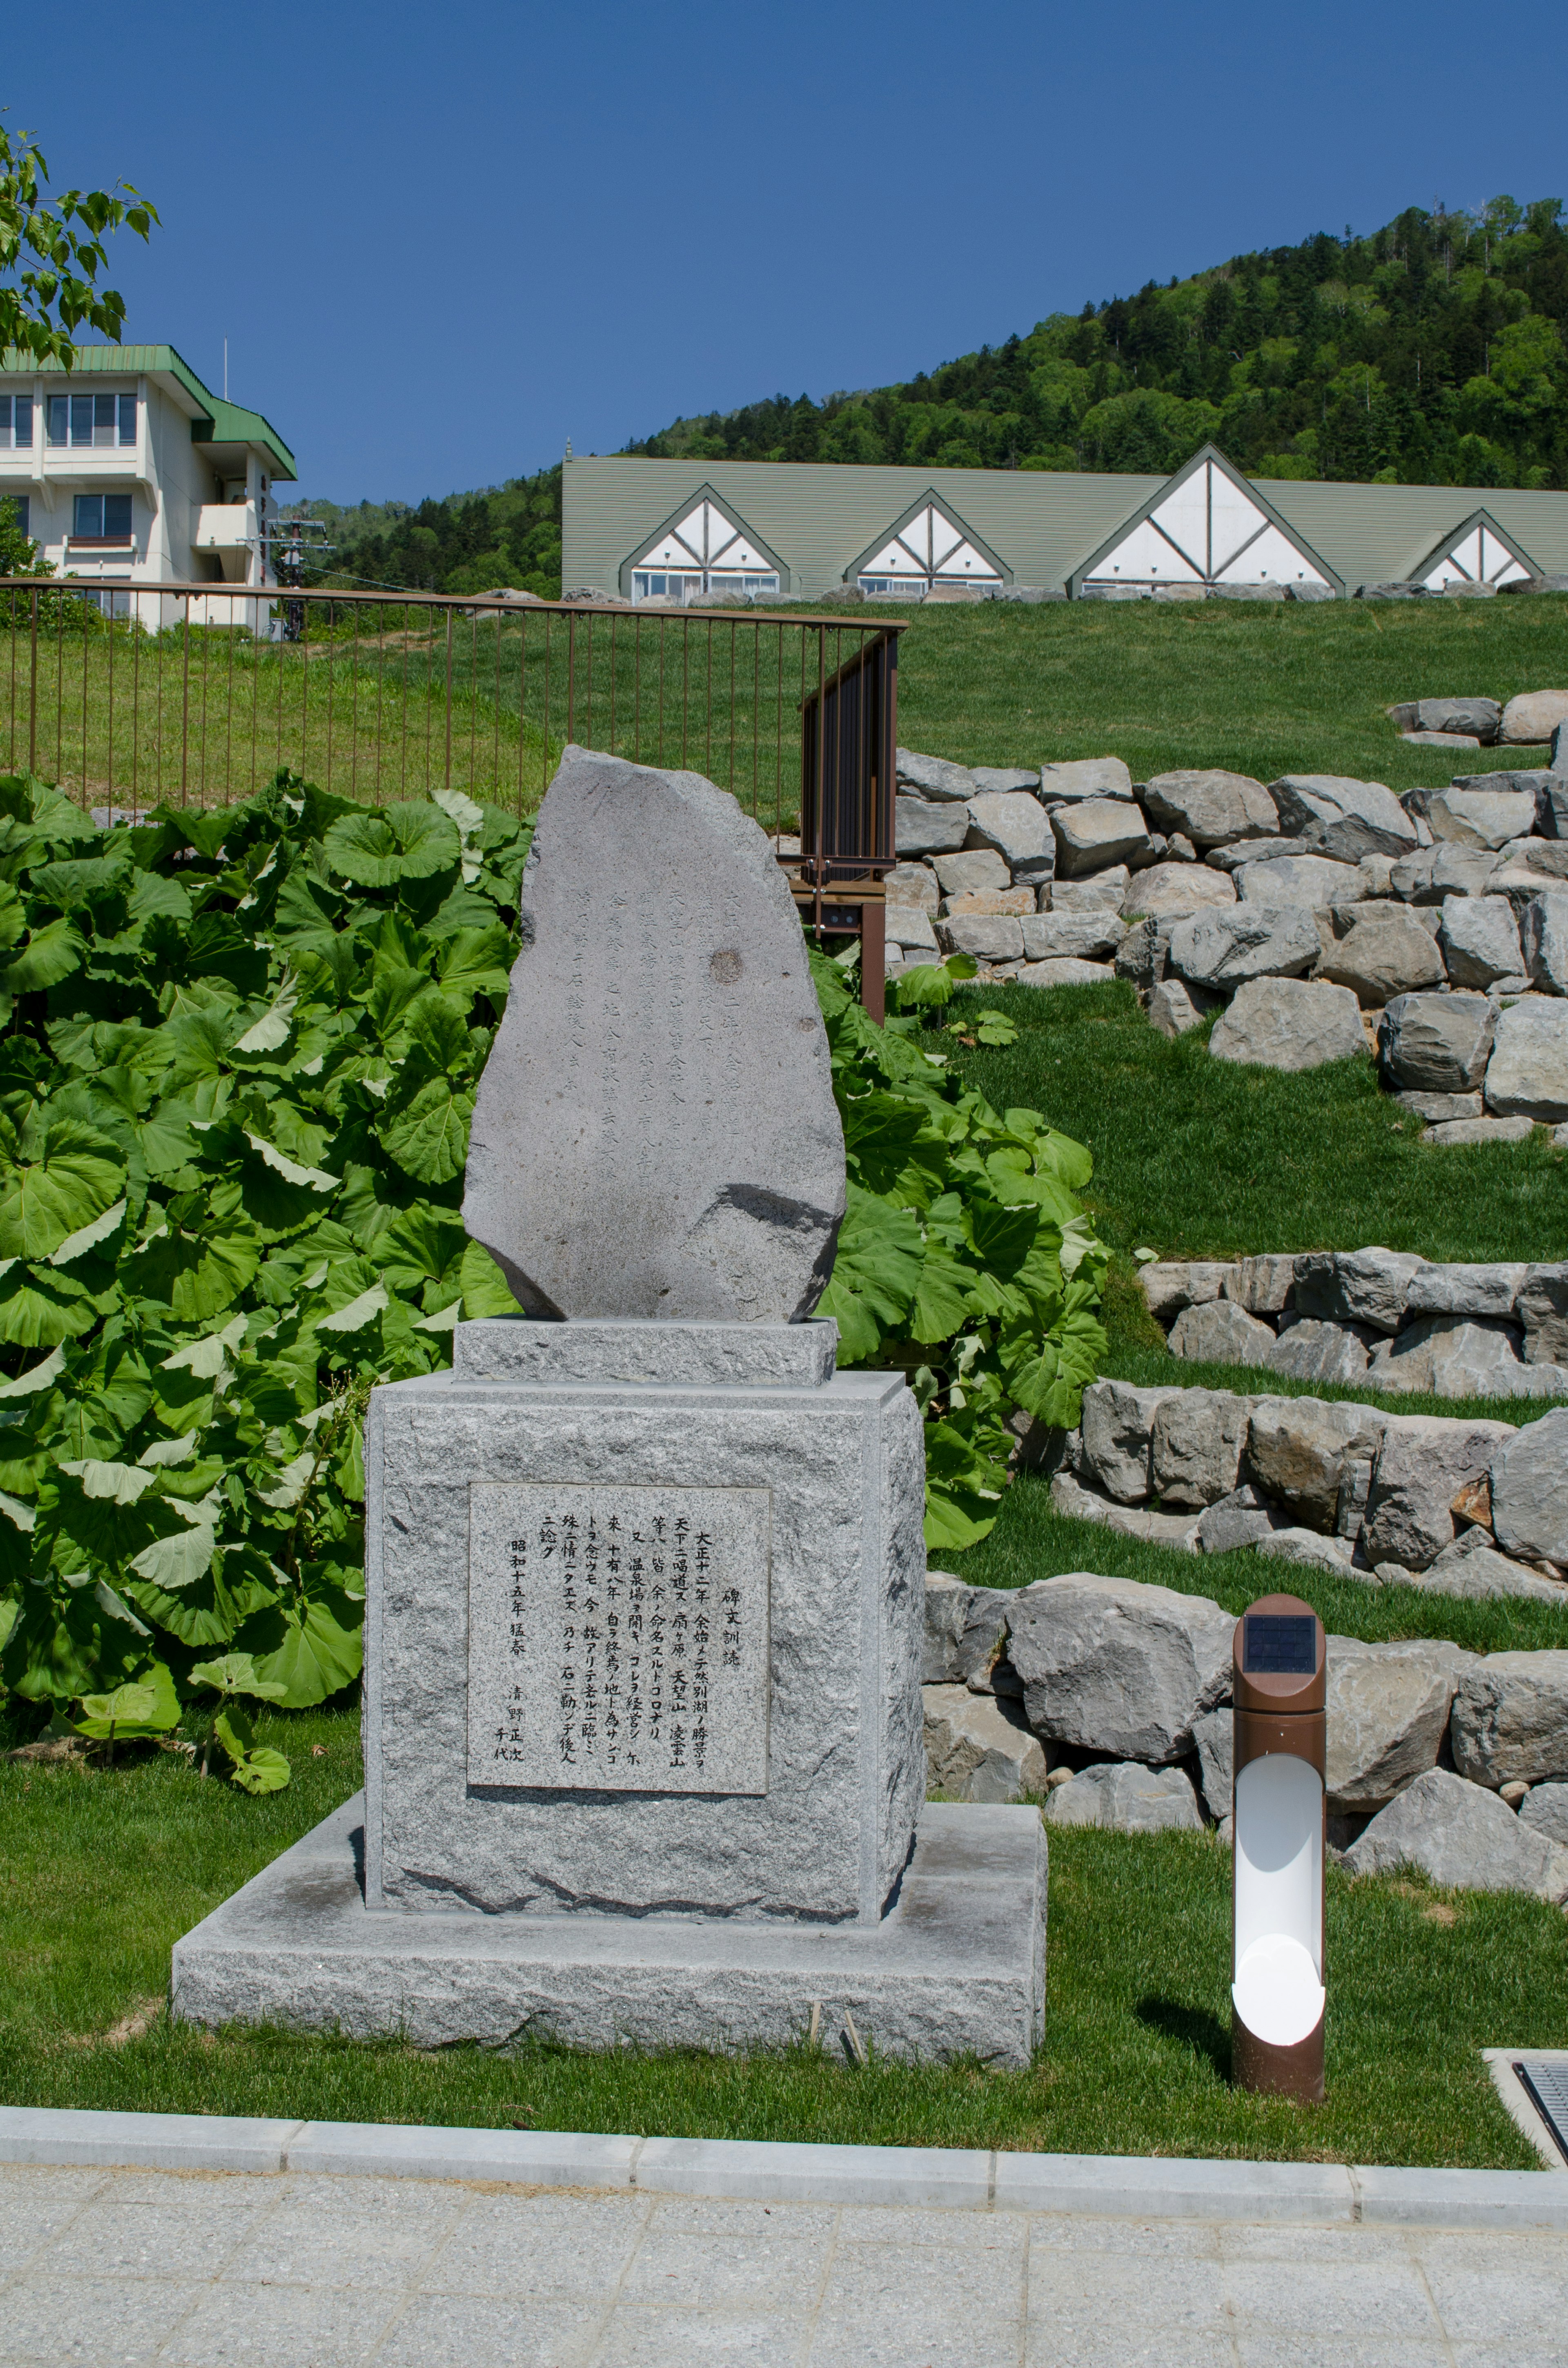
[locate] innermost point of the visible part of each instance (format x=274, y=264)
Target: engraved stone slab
x=655, y=1132
x=617, y=1638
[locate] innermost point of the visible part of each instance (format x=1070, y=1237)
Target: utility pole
x=293, y=545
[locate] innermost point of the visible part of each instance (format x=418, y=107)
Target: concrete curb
x=1099, y=2186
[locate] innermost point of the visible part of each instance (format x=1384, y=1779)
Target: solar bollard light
x=1278, y=1751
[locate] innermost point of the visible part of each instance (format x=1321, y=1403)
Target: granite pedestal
x=643, y=1729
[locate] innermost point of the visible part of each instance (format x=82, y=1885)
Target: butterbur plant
x=255, y=1768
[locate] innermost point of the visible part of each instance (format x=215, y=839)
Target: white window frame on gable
x=16, y=423
x=1208, y=527
x=702, y=551
x=929, y=547
x=1478, y=552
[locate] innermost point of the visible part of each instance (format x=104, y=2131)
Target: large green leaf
x=72, y=1175
x=875, y=1274
x=379, y=847
x=312, y=1651
x=428, y=1137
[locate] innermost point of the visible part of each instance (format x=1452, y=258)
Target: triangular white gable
x=930, y=545
x=704, y=538
x=1208, y=530
x=1481, y=558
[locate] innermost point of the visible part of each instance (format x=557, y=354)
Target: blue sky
x=441, y=240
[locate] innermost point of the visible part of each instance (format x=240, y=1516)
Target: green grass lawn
x=103, y=1871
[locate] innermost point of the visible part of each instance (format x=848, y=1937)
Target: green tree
x=52, y=252
x=17, y=555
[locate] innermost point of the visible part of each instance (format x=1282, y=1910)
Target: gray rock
x=1465, y=1290
x=1529, y=1491
x=923, y=828
x=914, y=883
x=1542, y=1308
x=1172, y=1010
x=1442, y=1108
x=1263, y=1286
x=1480, y=938
x=1110, y=1665
x=1226, y=948
x=1370, y=1286
x=1314, y=1352
x=974, y=869
x=1123, y=1798
x=1545, y=1810
x=978, y=1747
x=1480, y=817
x=1450, y=1357
x=1544, y=936
x=1118, y=1432
x=1298, y=1449
x=1458, y=1834
x=1086, y=777
x=1437, y=1043
x=1221, y=1334
x=910, y=930
x=1454, y=1134
x=1248, y=850
x=1532, y=716
x=1424, y=1462
x=1450, y=740
x=990, y=936
x=1238, y=1519
x=1071, y=1499
x=947, y=1609
x=1019, y=829
x=1169, y=1284
x=1168, y=890
x=1480, y=717
x=1510, y=1718
x=1388, y=1711
x=1214, y=1736
x=966, y=1631
x=1063, y=969
x=1097, y=833
x=1384, y=953
x=1526, y=781
x=1197, y=1440
x=1288, y=1023
x=1080, y=937
x=1346, y=819
x=1472, y=1568
x=935, y=777
x=1003, y=778
x=1103, y=889
x=1528, y=1074
x=1305, y=1549
x=703, y=1179
x=1314, y=881
x=1212, y=809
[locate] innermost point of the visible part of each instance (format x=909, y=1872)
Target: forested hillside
x=1431, y=352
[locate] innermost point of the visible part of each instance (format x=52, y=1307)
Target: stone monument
x=645, y=1574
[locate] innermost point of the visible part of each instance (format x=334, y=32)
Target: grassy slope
x=105, y=1870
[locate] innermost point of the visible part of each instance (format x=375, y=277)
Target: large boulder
x=1299, y=1449
x=1172, y=1010
x=978, y=1747
x=1211, y=809
x=1469, y=1290
x=1542, y=1308
x=1197, y=1442
x=914, y=883
x=1312, y=879
x=1480, y=817
x=1460, y=1834
x=1263, y=1285
x=923, y=828
x=1110, y=1665
x=1510, y=1718
x=1288, y=1023
x=971, y=869
x=966, y=1630
x=1533, y=716
x=1101, y=888
x=910, y=929
x=1005, y=777
x=991, y=938
x=1074, y=1502
x=1168, y=890
x=1478, y=717
x=1076, y=936
x=1545, y=1810
x=1423, y=1465
x=1238, y=1519
x=933, y=777
x=1118, y=1434
x=1480, y=938
x=1471, y=1566
x=1016, y=828
x=1384, y=953
x=1313, y=1351
x=1529, y=1491
x=1544, y=935
x=1213, y=1738
x=1227, y=947
x=1388, y=1711
x=1063, y=969
x=1437, y=1043
x=1347, y=819
x=1370, y=1286
x=1123, y=1798
x=1086, y=777
x=1097, y=833
x=1171, y=1284
x=1450, y=1357
x=1221, y=1334
x=1528, y=1074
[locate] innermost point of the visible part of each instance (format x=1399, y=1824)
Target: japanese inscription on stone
x=617, y=1638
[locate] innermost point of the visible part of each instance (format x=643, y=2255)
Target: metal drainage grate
x=1546, y=2086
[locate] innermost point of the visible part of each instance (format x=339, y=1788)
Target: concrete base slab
x=957, y=1968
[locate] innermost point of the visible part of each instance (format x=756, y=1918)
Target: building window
x=706, y=552
x=22, y=504
x=108, y=599
x=16, y=423
x=929, y=549
x=660, y=584
x=96, y=423
x=101, y=517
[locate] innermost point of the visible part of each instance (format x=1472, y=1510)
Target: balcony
x=229, y=532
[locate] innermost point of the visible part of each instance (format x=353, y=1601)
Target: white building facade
x=129, y=473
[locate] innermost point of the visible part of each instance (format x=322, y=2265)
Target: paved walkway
x=114, y=2269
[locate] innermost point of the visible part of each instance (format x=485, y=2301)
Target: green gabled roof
x=226, y=423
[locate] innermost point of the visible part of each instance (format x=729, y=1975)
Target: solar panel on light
x=1546, y=2086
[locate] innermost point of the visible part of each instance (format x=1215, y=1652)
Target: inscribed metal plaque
x=618, y=1637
